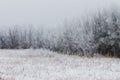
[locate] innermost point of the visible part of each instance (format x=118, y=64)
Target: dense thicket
x=97, y=33
x=106, y=33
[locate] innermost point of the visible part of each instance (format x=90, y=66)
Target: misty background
x=46, y=13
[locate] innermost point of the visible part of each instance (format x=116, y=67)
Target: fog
x=49, y=13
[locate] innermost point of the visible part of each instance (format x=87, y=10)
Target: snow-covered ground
x=46, y=65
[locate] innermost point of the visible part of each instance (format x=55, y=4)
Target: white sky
x=46, y=12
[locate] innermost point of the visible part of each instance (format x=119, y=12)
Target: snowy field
x=46, y=65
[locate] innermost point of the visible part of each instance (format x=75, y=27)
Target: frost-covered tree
x=3, y=42
x=106, y=31
x=72, y=38
x=13, y=37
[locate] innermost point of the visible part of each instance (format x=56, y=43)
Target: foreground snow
x=46, y=65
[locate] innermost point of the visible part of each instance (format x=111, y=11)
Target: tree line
x=98, y=33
